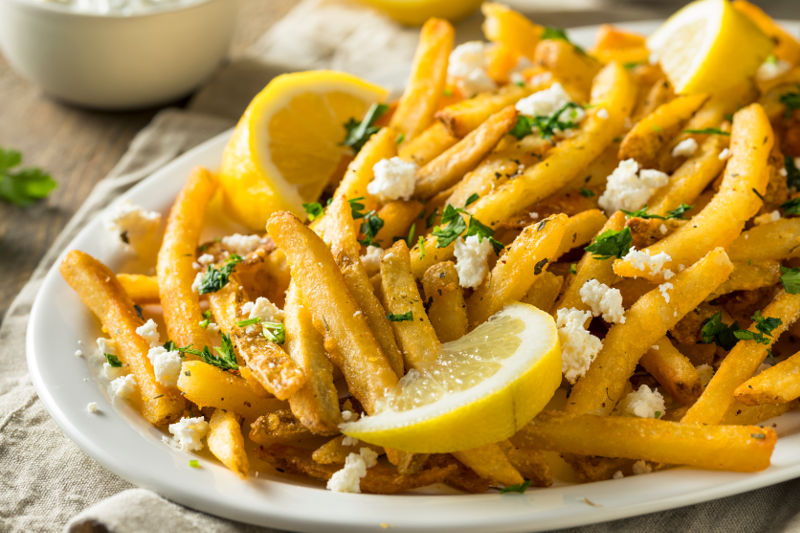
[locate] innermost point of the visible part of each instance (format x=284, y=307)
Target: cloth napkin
x=49, y=484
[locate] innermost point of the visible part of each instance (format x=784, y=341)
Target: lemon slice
x=708, y=46
x=416, y=12
x=287, y=145
x=482, y=389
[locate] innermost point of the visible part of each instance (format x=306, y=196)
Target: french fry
x=673, y=371
x=426, y=85
x=750, y=276
x=739, y=413
x=359, y=173
x=741, y=363
x=463, y=117
x=526, y=258
x=277, y=427
x=446, y=308
x=775, y=385
x=615, y=44
x=736, y=448
x=511, y=29
x=358, y=354
x=544, y=291
x=451, y=165
x=181, y=304
x=579, y=229
x=208, y=386
x=772, y=241
x=100, y=291
x=738, y=199
x=398, y=217
x=530, y=462
x=573, y=67
x=139, y=287
x=491, y=463
x=788, y=47
x=659, y=93
x=226, y=442
x=427, y=145
x=649, y=319
x=773, y=100
x=335, y=452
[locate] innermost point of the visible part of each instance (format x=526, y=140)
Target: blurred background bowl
x=116, y=61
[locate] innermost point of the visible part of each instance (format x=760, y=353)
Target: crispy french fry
x=140, y=287
x=750, y=276
x=544, y=291
x=573, y=67
x=446, y=309
x=277, y=427
x=226, y=442
x=526, y=258
x=788, y=47
x=181, y=304
x=741, y=363
x=451, y=165
x=673, y=371
x=511, y=29
x=100, y=291
x=531, y=463
x=738, y=199
x=579, y=229
x=208, y=386
x=775, y=385
x=398, y=217
x=491, y=463
x=739, y=413
x=358, y=354
x=659, y=93
x=427, y=145
x=737, y=448
x=463, y=117
x=382, y=145
x=426, y=85
x=649, y=319
x=335, y=451
x=772, y=241
x=615, y=44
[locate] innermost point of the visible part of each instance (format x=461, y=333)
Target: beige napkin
x=48, y=484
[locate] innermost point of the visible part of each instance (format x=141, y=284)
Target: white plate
x=124, y=443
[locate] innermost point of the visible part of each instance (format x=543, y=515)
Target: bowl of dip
x=116, y=54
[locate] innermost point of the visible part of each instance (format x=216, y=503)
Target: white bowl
x=116, y=61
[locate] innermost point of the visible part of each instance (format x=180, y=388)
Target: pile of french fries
x=726, y=219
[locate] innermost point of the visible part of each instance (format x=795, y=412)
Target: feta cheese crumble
x=724, y=154
x=644, y=402
x=78, y=353
x=203, y=261
x=578, y=346
x=706, y=372
x=198, y=280
x=617, y=475
x=603, y=300
x=149, y=332
x=467, y=68
x=241, y=244
x=472, y=256
x=664, y=289
x=136, y=228
x=548, y=101
x=773, y=216
x=602, y=113
x=92, y=408
x=123, y=387
x=629, y=188
x=393, y=179
x=166, y=365
x=188, y=433
x=772, y=68
x=650, y=264
x=348, y=479
x=641, y=467
x=105, y=346
x=372, y=259
x=685, y=148
x=263, y=309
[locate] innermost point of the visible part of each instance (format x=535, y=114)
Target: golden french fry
x=466, y=115
x=775, y=385
x=277, y=427
x=100, y=291
x=573, y=67
x=446, y=308
x=659, y=93
x=615, y=44
x=208, y=386
x=544, y=291
x=175, y=270
x=382, y=145
x=788, y=47
x=226, y=442
x=511, y=29
x=358, y=354
x=140, y=287
x=579, y=229
x=451, y=165
x=530, y=462
x=741, y=363
x=739, y=413
x=737, y=448
x=426, y=85
x=427, y=145
x=772, y=241
x=749, y=276
x=398, y=217
x=490, y=462
x=335, y=452
x=526, y=258
x=649, y=319
x=738, y=199
x=673, y=371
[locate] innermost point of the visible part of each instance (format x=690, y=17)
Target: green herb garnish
x=790, y=278
x=23, y=186
x=548, y=125
x=274, y=331
x=370, y=228
x=792, y=207
x=402, y=317
x=518, y=488
x=586, y=193
x=248, y=322
x=359, y=132
x=611, y=243
x=472, y=199
x=714, y=330
x=764, y=327
x=709, y=131
x=214, y=279
x=791, y=101
x=113, y=360
x=556, y=33
x=194, y=463
x=313, y=210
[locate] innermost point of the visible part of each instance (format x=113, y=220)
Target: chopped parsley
x=792, y=172
x=170, y=346
x=518, y=488
x=274, y=331
x=548, y=125
x=790, y=278
x=586, y=193
x=421, y=244
x=764, y=327
x=194, y=463
x=472, y=199
x=678, y=212
x=431, y=220
x=206, y=319
x=714, y=330
x=113, y=360
x=248, y=322
x=573, y=268
x=792, y=207
x=138, y=309
x=791, y=101
x=402, y=317
x=356, y=207
x=611, y=243
x=400, y=138
x=455, y=226
x=370, y=228
x=630, y=65
x=556, y=33
x=313, y=210
x=214, y=279
x=23, y=186
x=709, y=131
x=226, y=360
x=359, y=132
x=675, y=213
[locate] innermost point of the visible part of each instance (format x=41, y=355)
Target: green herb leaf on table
x=23, y=186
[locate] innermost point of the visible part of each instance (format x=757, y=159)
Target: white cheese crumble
x=393, y=179
x=783, y=172
x=685, y=148
x=241, y=244
x=773, y=216
x=348, y=479
x=644, y=403
x=641, y=467
x=547, y=102
x=772, y=68
x=349, y=441
x=105, y=346
x=629, y=188
x=467, y=66
x=112, y=372
x=136, y=228
x=651, y=264
x=203, y=261
x=108, y=346
x=149, y=332
x=123, y=387
x=166, y=365
x=603, y=300
x=263, y=309
x=663, y=229
x=198, y=280
x=578, y=346
x=664, y=289
x=602, y=113
x=617, y=475
x=188, y=433
x=92, y=408
x=724, y=154
x=349, y=416
x=372, y=259
x=78, y=353
x=706, y=372
x=472, y=256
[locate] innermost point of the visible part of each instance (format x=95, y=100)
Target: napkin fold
x=48, y=483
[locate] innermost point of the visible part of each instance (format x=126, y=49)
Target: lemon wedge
x=708, y=46
x=482, y=388
x=416, y=12
x=287, y=144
